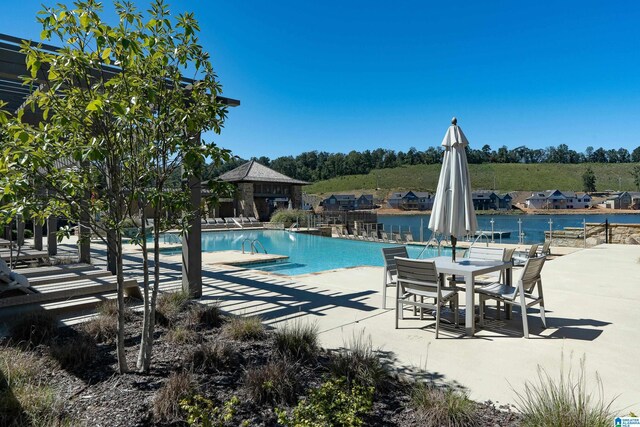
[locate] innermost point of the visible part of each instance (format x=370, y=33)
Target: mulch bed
x=97, y=395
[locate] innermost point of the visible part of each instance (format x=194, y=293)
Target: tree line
x=320, y=165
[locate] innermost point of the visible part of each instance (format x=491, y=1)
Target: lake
x=533, y=226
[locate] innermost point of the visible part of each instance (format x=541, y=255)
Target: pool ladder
x=254, y=246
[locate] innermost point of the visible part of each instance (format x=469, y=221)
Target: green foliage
x=297, y=340
x=443, y=407
x=635, y=173
x=588, y=181
x=290, y=216
x=506, y=177
x=201, y=412
x=332, y=404
x=565, y=401
x=208, y=315
x=244, y=328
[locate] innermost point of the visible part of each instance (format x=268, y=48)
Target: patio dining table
x=470, y=269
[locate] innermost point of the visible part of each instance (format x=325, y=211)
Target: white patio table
x=469, y=269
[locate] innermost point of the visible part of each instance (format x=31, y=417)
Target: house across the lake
x=411, y=201
x=556, y=199
x=489, y=200
x=348, y=202
x=624, y=200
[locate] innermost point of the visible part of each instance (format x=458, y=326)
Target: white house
x=556, y=199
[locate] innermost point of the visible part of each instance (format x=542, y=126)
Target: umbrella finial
x=454, y=121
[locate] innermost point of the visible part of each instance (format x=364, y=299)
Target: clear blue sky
x=355, y=75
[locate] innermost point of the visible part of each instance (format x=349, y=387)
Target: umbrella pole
x=453, y=248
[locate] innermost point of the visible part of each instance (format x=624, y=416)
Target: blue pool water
x=307, y=253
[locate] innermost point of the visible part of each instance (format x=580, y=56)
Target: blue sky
x=355, y=75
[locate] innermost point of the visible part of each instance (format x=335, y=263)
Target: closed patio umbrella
x=453, y=212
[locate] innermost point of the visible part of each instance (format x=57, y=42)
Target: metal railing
x=254, y=245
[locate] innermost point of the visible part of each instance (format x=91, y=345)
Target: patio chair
x=417, y=280
x=546, y=249
x=10, y=280
x=521, y=294
x=408, y=237
x=521, y=258
x=385, y=236
x=390, y=270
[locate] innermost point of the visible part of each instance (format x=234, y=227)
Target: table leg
x=507, y=306
x=469, y=308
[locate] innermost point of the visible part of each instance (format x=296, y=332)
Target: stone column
x=245, y=196
x=52, y=238
x=192, y=245
x=20, y=230
x=84, y=232
x=296, y=196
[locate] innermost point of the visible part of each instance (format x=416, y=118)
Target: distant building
x=624, y=200
x=347, y=202
x=489, y=200
x=365, y=202
x=556, y=199
x=411, y=201
x=260, y=191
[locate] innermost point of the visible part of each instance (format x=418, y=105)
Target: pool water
x=307, y=253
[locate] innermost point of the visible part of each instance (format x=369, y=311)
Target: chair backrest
x=531, y=272
x=546, y=248
x=408, y=237
x=417, y=274
x=390, y=254
x=532, y=250
x=477, y=252
x=508, y=254
x=4, y=268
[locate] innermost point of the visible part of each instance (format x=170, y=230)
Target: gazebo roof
x=253, y=171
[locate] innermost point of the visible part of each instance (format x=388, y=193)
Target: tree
x=589, y=181
x=119, y=136
x=635, y=172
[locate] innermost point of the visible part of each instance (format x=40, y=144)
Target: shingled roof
x=255, y=172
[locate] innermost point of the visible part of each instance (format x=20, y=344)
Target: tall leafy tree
x=118, y=136
x=589, y=181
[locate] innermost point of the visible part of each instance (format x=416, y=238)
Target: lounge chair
x=408, y=238
x=417, y=280
x=385, y=236
x=545, y=250
x=521, y=294
x=219, y=222
x=390, y=270
x=521, y=259
x=10, y=280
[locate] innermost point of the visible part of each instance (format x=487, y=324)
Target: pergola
x=15, y=93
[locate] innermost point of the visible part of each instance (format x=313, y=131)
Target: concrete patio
x=592, y=297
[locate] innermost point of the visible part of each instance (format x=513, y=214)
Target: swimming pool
x=307, y=253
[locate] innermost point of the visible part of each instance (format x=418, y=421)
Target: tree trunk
x=143, y=364
x=156, y=281
x=122, y=359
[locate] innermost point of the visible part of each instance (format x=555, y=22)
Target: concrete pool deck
x=592, y=299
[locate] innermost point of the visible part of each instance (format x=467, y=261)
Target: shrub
x=333, y=404
x=244, y=328
x=276, y=382
x=34, y=329
x=25, y=399
x=290, y=217
x=564, y=401
x=166, y=403
x=216, y=356
x=102, y=328
x=169, y=306
x=75, y=353
x=297, y=340
x=202, y=412
x=181, y=335
x=207, y=315
x=110, y=308
x=359, y=364
x=443, y=407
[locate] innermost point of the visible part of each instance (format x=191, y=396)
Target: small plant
x=277, y=382
x=181, y=335
x=170, y=305
x=565, y=401
x=201, y=412
x=216, y=356
x=75, y=353
x=25, y=397
x=297, y=340
x=244, y=328
x=332, y=404
x=110, y=308
x=443, y=407
x=359, y=364
x=34, y=329
x=102, y=328
x=207, y=315
x=289, y=217
x=166, y=404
